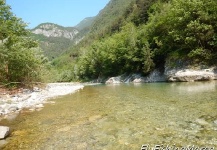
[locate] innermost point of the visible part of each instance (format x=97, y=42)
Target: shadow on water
x=123, y=116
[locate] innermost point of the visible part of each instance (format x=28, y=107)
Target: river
x=121, y=117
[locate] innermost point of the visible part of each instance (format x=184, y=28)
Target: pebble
x=13, y=108
x=36, y=89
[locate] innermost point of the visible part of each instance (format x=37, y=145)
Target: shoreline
x=12, y=103
x=168, y=75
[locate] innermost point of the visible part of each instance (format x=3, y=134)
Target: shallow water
x=124, y=116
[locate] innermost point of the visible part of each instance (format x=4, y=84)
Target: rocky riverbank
x=168, y=75
x=13, y=103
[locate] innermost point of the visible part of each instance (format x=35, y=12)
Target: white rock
x=13, y=108
x=33, y=100
x=4, y=132
x=138, y=80
x=187, y=75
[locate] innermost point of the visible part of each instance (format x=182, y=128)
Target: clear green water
x=116, y=117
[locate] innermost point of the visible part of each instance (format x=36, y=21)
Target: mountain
x=139, y=36
x=54, y=30
x=84, y=28
x=110, y=18
x=54, y=39
x=86, y=23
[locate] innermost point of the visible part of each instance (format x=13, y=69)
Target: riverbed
x=121, y=116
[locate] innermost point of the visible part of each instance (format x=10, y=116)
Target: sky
x=66, y=13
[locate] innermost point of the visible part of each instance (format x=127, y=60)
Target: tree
x=188, y=27
x=20, y=58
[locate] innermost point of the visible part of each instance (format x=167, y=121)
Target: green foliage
x=118, y=54
x=52, y=46
x=185, y=26
x=20, y=59
x=140, y=35
x=110, y=19
x=86, y=23
x=137, y=12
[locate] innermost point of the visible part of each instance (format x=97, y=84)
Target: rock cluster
x=51, y=30
x=155, y=76
x=33, y=99
x=171, y=75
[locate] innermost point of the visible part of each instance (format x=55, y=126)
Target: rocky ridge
x=52, y=30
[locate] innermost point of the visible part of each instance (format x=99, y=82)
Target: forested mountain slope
x=54, y=39
x=85, y=23
x=144, y=35
x=111, y=17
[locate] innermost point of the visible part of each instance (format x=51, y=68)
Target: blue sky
x=62, y=12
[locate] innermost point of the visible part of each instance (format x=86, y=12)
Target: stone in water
x=4, y=132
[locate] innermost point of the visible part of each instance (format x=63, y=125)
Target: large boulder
x=187, y=75
x=4, y=132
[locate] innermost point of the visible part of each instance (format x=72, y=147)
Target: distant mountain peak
x=54, y=30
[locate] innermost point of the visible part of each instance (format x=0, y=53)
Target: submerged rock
x=94, y=118
x=4, y=132
x=2, y=143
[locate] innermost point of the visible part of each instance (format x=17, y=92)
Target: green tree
x=20, y=58
x=188, y=27
x=123, y=52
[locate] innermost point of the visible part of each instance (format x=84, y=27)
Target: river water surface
x=121, y=117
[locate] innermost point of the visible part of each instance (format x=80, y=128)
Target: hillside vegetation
x=54, y=39
x=144, y=36
x=127, y=36
x=52, y=46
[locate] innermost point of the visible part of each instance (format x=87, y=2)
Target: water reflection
x=195, y=87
